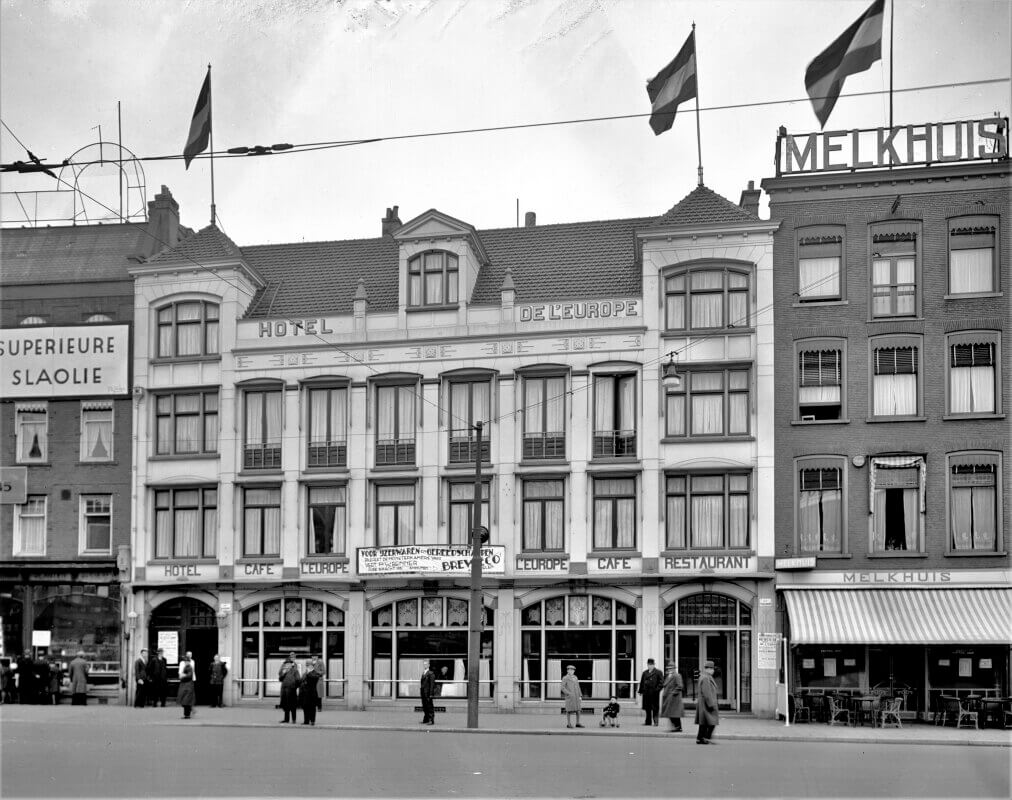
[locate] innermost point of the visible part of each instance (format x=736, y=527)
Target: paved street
x=123, y=753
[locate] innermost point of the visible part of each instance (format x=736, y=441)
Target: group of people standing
x=31, y=681
x=300, y=690
x=151, y=681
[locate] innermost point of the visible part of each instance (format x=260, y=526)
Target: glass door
x=689, y=663
x=697, y=647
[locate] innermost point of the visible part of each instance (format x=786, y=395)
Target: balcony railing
x=391, y=452
x=614, y=444
x=463, y=447
x=327, y=454
x=544, y=445
x=261, y=456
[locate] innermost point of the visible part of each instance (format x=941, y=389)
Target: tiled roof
x=69, y=254
x=209, y=244
x=703, y=206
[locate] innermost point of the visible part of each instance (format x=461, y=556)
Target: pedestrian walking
x=158, y=678
x=309, y=693
x=140, y=677
x=219, y=670
x=427, y=689
x=193, y=663
x=671, y=698
x=707, y=714
x=79, y=669
x=290, y=679
x=574, y=696
x=650, y=687
x=186, y=697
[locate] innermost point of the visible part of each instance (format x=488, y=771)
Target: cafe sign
x=429, y=560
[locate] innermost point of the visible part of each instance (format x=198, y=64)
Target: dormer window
x=432, y=279
x=188, y=328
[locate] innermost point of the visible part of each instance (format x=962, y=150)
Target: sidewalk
x=732, y=726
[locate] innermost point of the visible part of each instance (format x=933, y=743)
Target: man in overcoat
x=158, y=678
x=707, y=714
x=650, y=687
x=290, y=679
x=140, y=679
x=79, y=669
x=427, y=688
x=671, y=700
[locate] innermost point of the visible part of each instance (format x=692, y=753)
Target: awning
x=900, y=616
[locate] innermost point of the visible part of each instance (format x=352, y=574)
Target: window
x=894, y=384
x=973, y=502
x=894, y=272
x=30, y=526
x=186, y=423
x=461, y=510
x=707, y=511
x=33, y=320
x=98, y=318
x=544, y=418
x=972, y=255
x=188, y=328
x=614, y=416
x=262, y=444
x=973, y=378
x=432, y=279
x=395, y=514
x=261, y=524
x=544, y=514
x=186, y=523
x=328, y=520
x=897, y=492
x=328, y=428
x=820, y=258
x=96, y=431
x=709, y=403
x=707, y=298
x=470, y=401
x=614, y=513
x=820, y=505
x=820, y=382
x=96, y=523
x=395, y=425
x=32, y=429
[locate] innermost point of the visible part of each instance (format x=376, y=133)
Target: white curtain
x=385, y=407
x=459, y=408
x=272, y=531
x=601, y=674
x=381, y=675
x=273, y=435
x=879, y=522
x=318, y=407
x=809, y=529
x=910, y=519
x=676, y=521
x=97, y=433
x=187, y=533
x=626, y=511
x=254, y=418
x=738, y=413
x=533, y=410
x=819, y=277
x=335, y=672
x=971, y=271
x=961, y=518
x=604, y=403
x=706, y=307
x=32, y=427
x=707, y=414
x=738, y=520
x=984, y=517
x=895, y=395
x=409, y=672
x=602, y=523
x=553, y=525
x=627, y=408
x=163, y=534
x=406, y=411
x=188, y=329
x=484, y=682
x=832, y=504
x=819, y=394
x=252, y=532
x=250, y=672
x=707, y=521
x=32, y=526
x=555, y=405
x=675, y=415
x=553, y=676
x=210, y=532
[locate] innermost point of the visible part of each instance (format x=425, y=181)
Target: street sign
x=13, y=485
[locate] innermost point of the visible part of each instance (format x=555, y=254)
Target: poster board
x=168, y=643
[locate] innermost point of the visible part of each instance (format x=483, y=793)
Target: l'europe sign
x=73, y=361
x=429, y=560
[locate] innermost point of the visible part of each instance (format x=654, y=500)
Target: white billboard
x=429, y=560
x=72, y=361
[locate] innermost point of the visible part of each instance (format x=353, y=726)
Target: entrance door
x=694, y=649
x=899, y=672
x=196, y=631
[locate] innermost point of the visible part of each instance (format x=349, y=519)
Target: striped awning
x=900, y=616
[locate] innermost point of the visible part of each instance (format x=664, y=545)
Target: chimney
x=530, y=219
x=163, y=224
x=360, y=303
x=391, y=222
x=750, y=199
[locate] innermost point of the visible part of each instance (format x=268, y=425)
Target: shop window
x=30, y=526
x=614, y=513
x=96, y=524
x=32, y=432
x=973, y=263
x=328, y=517
x=544, y=418
x=188, y=328
x=973, y=373
x=829, y=667
x=263, y=428
x=820, y=260
x=432, y=279
x=395, y=514
x=470, y=402
x=186, y=523
x=328, y=428
x=707, y=298
x=894, y=273
x=974, y=502
x=614, y=416
x=709, y=403
x=544, y=515
x=897, y=492
x=96, y=430
x=461, y=511
x=261, y=525
x=707, y=511
x=395, y=425
x=895, y=385
x=820, y=380
x=820, y=508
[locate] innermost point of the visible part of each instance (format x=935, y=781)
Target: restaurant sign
x=429, y=560
x=707, y=565
x=898, y=146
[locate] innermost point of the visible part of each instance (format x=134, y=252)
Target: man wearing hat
x=650, y=687
x=290, y=678
x=571, y=691
x=707, y=714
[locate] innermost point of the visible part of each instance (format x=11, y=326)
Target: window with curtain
x=96, y=523
x=186, y=523
x=614, y=513
x=395, y=425
x=328, y=427
x=896, y=509
x=96, y=431
x=395, y=514
x=705, y=298
x=186, y=423
x=328, y=518
x=261, y=526
x=894, y=276
x=972, y=379
x=707, y=511
x=973, y=504
x=709, y=403
x=614, y=416
x=972, y=255
x=461, y=502
x=544, y=418
x=820, y=385
x=820, y=509
x=544, y=510
x=32, y=432
x=188, y=328
x=819, y=267
x=432, y=279
x=470, y=401
x=263, y=427
x=894, y=381
x=30, y=526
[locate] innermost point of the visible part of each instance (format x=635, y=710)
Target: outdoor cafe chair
x=837, y=714
x=967, y=713
x=889, y=713
x=801, y=712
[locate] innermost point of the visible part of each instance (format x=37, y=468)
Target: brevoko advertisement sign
x=71, y=361
x=429, y=560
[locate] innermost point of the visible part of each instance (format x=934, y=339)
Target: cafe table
x=864, y=706
x=993, y=709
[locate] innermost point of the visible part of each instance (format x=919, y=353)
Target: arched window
x=188, y=328
x=33, y=320
x=432, y=279
x=98, y=318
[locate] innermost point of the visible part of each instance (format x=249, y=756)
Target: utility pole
x=474, y=613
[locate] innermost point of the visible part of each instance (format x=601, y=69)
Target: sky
x=313, y=71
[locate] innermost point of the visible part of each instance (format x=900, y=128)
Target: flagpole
x=210, y=119
x=892, y=38
x=699, y=145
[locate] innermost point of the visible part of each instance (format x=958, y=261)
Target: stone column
x=355, y=647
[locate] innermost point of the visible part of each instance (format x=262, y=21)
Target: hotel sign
x=429, y=560
x=899, y=146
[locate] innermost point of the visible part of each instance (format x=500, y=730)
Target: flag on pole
x=856, y=49
x=673, y=85
x=200, y=126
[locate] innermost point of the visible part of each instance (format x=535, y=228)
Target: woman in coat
x=186, y=697
x=671, y=698
x=571, y=691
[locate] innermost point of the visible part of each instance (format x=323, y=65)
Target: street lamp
x=670, y=376
x=474, y=611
